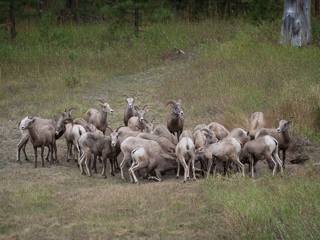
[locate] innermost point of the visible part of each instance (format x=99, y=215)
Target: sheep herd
x=156, y=150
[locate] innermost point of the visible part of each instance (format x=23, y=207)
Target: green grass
x=229, y=71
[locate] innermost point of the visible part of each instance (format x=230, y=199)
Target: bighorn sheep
x=143, y=158
x=99, y=119
x=162, y=131
x=199, y=127
x=115, y=147
x=129, y=112
x=72, y=135
x=220, y=131
x=224, y=151
x=38, y=122
x=175, y=121
x=281, y=134
x=257, y=122
x=131, y=143
x=92, y=143
x=41, y=136
x=185, y=152
x=88, y=126
x=166, y=144
x=188, y=134
x=262, y=147
x=239, y=134
x=136, y=123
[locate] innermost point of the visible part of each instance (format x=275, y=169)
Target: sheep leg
x=104, y=161
x=88, y=163
x=81, y=159
x=94, y=164
x=35, y=157
x=193, y=159
x=238, y=163
x=209, y=167
x=42, y=159
x=111, y=160
x=22, y=144
x=284, y=158
x=186, y=170
x=55, y=151
x=123, y=164
x=47, y=156
x=135, y=168
x=178, y=169
x=275, y=165
x=158, y=176
x=276, y=156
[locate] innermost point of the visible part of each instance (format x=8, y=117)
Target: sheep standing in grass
x=136, y=123
x=99, y=119
x=227, y=150
x=262, y=147
x=130, y=111
x=41, y=136
x=281, y=134
x=185, y=152
x=175, y=122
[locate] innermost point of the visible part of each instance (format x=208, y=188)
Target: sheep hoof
x=177, y=177
x=112, y=174
x=83, y=173
x=194, y=179
x=105, y=177
x=27, y=160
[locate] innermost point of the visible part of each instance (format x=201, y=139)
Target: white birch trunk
x=296, y=25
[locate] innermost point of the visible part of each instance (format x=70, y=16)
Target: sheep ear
x=179, y=101
x=125, y=98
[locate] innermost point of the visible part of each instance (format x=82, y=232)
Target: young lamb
x=175, y=122
x=99, y=119
x=257, y=122
x=41, y=136
x=185, y=152
x=262, y=147
x=220, y=131
x=143, y=158
x=281, y=134
x=129, y=112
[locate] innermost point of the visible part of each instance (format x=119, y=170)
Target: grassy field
x=222, y=71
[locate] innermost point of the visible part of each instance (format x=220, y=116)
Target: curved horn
x=102, y=100
x=110, y=129
x=72, y=109
x=133, y=95
x=136, y=108
x=68, y=120
x=144, y=107
x=206, y=130
x=125, y=96
x=118, y=128
x=170, y=102
x=152, y=120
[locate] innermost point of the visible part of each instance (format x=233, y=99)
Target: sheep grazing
x=257, y=122
x=162, y=131
x=129, y=112
x=143, y=158
x=220, y=131
x=41, y=136
x=99, y=119
x=175, y=121
x=226, y=151
x=239, y=134
x=185, y=152
x=199, y=127
x=136, y=123
x=262, y=147
x=131, y=143
x=166, y=144
x=188, y=134
x=281, y=134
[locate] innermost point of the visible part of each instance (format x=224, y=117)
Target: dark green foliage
x=266, y=9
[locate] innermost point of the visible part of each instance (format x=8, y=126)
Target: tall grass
x=228, y=81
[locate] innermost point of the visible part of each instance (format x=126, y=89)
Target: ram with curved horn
x=175, y=121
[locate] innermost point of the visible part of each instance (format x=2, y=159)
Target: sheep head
x=114, y=136
x=28, y=123
x=176, y=107
x=283, y=125
x=148, y=126
x=105, y=107
x=130, y=101
x=141, y=113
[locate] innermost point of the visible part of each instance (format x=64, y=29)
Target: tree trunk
x=76, y=8
x=43, y=8
x=13, y=22
x=296, y=27
x=136, y=19
x=317, y=9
